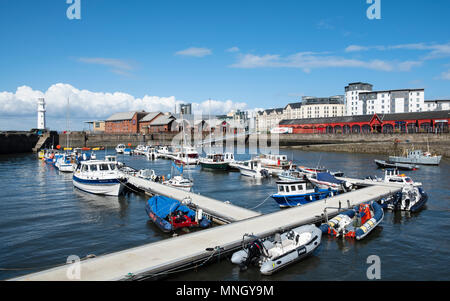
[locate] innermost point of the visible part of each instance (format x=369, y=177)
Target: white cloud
x=195, y=52
x=311, y=60
x=120, y=67
x=233, y=49
x=435, y=50
x=97, y=105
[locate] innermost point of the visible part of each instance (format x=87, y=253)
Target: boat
x=187, y=156
x=217, y=161
x=140, y=150
x=314, y=171
x=169, y=214
x=416, y=157
x=179, y=181
x=252, y=168
x=127, y=151
x=291, y=175
x=283, y=250
x=410, y=199
x=151, y=153
x=98, y=177
x=165, y=151
x=392, y=175
x=120, y=148
x=274, y=161
x=325, y=180
x=291, y=194
x=66, y=163
x=401, y=166
x=356, y=223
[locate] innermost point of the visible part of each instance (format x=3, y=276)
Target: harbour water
x=43, y=220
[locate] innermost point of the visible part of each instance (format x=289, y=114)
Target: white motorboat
x=98, y=177
x=291, y=175
x=120, y=148
x=280, y=251
x=165, y=151
x=252, y=168
x=274, y=161
x=66, y=163
x=187, y=156
x=393, y=176
x=151, y=153
x=180, y=182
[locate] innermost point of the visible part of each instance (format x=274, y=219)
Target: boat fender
x=199, y=216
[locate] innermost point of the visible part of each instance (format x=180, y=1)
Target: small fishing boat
x=291, y=194
x=217, y=161
x=120, y=148
x=252, y=168
x=416, y=157
x=325, y=180
x=165, y=151
x=169, y=214
x=401, y=166
x=356, y=223
x=98, y=177
x=283, y=250
x=409, y=199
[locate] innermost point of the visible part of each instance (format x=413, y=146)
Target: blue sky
x=259, y=53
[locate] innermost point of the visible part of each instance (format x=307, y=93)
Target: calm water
x=43, y=219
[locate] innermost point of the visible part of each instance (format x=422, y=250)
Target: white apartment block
x=269, y=119
x=436, y=105
x=314, y=107
x=361, y=100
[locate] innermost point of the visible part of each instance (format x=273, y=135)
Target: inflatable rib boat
x=356, y=223
x=283, y=250
x=410, y=199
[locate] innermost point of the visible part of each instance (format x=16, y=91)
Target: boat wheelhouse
x=298, y=193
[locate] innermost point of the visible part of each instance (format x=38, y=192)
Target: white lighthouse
x=41, y=114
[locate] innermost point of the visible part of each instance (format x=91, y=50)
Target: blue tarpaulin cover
x=162, y=206
x=327, y=177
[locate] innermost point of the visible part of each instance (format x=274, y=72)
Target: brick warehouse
x=126, y=122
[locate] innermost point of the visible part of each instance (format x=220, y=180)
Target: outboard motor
x=254, y=252
x=265, y=173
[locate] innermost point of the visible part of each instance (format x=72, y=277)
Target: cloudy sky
x=151, y=55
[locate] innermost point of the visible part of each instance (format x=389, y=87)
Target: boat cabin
x=393, y=175
x=96, y=166
x=294, y=187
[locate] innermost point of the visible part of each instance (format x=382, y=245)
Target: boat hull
x=301, y=199
x=422, y=160
x=112, y=187
x=211, y=165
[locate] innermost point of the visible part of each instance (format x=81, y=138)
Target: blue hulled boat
x=169, y=214
x=295, y=193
